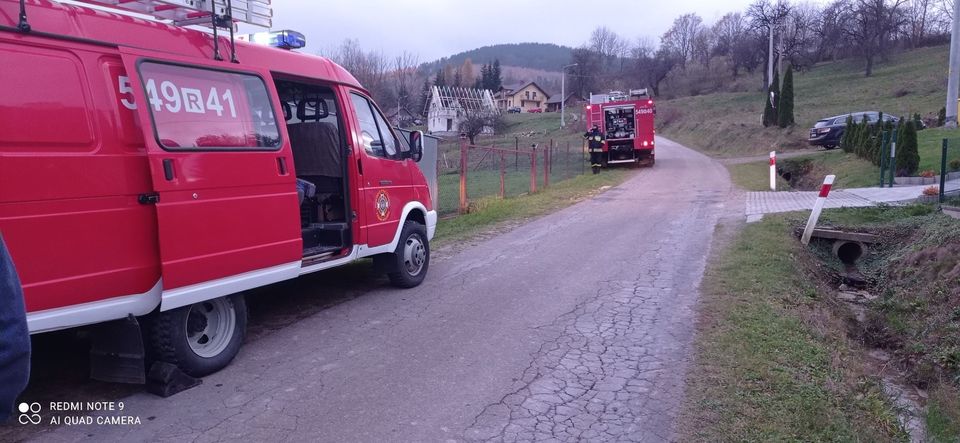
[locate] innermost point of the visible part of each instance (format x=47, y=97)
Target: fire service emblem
x=383, y=205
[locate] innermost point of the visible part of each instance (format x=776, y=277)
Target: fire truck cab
x=626, y=122
x=150, y=173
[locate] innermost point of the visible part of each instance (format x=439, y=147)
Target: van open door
x=225, y=191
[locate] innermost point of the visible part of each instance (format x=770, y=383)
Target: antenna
x=23, y=26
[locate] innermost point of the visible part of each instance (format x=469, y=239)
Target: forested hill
x=545, y=56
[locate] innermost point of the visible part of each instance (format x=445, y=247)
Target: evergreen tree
x=457, y=79
x=849, y=133
x=785, y=108
x=863, y=136
x=908, y=157
x=425, y=94
x=496, y=77
x=485, y=76
x=439, y=80
x=772, y=99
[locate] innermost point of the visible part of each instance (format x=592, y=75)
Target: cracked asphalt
x=576, y=326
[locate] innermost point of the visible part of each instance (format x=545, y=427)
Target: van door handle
x=386, y=182
x=168, y=169
x=282, y=165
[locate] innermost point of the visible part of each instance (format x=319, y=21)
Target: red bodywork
x=624, y=146
x=76, y=163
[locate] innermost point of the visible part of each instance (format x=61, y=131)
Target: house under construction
x=450, y=105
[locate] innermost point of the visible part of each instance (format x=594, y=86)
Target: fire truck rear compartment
x=621, y=151
x=315, y=132
x=619, y=123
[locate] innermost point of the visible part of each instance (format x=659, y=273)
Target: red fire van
x=150, y=173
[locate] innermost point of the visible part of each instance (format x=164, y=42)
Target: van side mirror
x=416, y=145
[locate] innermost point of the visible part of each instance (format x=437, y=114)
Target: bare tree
x=829, y=31
x=918, y=14
x=370, y=68
x=405, y=72
x=728, y=30
x=584, y=74
x=681, y=39
x=610, y=46
x=869, y=24
x=767, y=16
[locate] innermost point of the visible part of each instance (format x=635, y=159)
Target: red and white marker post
x=817, y=209
x=773, y=170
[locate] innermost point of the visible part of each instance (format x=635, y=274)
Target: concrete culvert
x=848, y=251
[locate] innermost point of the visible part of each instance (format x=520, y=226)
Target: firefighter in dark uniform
x=595, y=144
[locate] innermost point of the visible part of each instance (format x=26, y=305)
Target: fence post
x=893, y=157
x=533, y=169
x=552, y=148
x=463, y=174
x=943, y=170
x=883, y=156
x=503, y=174
x=516, y=155
x=546, y=167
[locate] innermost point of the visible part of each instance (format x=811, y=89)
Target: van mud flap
x=117, y=352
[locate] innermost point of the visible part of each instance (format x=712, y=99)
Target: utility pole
x=563, y=93
x=953, y=73
x=770, y=58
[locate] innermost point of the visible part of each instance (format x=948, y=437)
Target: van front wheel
x=201, y=338
x=412, y=256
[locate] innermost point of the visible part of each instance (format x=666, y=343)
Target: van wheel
x=202, y=338
x=412, y=256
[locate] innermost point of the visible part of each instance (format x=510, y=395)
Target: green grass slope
x=728, y=124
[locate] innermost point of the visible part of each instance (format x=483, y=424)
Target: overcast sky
x=438, y=28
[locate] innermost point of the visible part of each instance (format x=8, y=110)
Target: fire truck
x=626, y=123
x=153, y=168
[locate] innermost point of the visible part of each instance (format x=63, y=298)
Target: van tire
x=172, y=342
x=412, y=256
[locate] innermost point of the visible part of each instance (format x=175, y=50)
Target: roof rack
x=196, y=12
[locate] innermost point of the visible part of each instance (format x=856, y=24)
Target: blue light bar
x=285, y=39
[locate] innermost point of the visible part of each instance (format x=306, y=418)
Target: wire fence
x=469, y=173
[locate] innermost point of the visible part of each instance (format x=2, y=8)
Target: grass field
x=728, y=124
x=773, y=364
x=780, y=359
x=523, y=131
x=852, y=171
x=568, y=185
x=489, y=211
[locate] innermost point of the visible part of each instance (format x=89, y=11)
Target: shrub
x=931, y=190
x=770, y=109
x=955, y=164
x=849, y=134
x=928, y=174
x=785, y=107
x=908, y=157
x=942, y=116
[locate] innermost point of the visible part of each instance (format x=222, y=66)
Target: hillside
x=728, y=124
x=540, y=56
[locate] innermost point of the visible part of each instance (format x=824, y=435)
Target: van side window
x=378, y=140
x=204, y=109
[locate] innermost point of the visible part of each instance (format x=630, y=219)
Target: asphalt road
x=577, y=325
